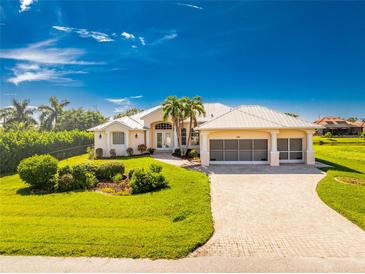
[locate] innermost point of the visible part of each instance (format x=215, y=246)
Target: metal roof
x=126, y=121
x=255, y=117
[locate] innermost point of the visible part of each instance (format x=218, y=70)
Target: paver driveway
x=275, y=211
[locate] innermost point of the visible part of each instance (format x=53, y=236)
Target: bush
x=142, y=148
x=81, y=173
x=108, y=170
x=65, y=182
x=90, y=151
x=146, y=181
x=18, y=145
x=328, y=135
x=130, y=151
x=130, y=173
x=193, y=154
x=39, y=171
x=151, y=150
x=99, y=153
x=90, y=180
x=117, y=178
x=64, y=170
x=362, y=135
x=155, y=168
x=177, y=152
x=113, y=153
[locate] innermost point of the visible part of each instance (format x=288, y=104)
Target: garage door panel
x=246, y=144
x=260, y=155
x=216, y=155
x=245, y=155
x=231, y=155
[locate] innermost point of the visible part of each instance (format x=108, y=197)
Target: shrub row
x=147, y=180
x=15, y=146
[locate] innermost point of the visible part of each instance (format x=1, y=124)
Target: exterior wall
x=271, y=135
x=135, y=142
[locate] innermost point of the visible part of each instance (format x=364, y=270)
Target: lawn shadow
x=336, y=167
x=28, y=191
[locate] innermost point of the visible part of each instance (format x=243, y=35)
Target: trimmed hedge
x=145, y=181
x=15, y=146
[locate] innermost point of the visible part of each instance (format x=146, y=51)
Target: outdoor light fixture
x=100, y=136
x=136, y=135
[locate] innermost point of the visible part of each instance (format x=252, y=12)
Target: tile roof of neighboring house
x=335, y=122
x=255, y=117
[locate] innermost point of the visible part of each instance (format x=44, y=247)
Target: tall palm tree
x=193, y=108
x=20, y=112
x=173, y=107
x=50, y=114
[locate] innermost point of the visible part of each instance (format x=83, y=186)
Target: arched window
x=163, y=126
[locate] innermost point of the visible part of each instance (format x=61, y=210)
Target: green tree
x=192, y=109
x=128, y=112
x=50, y=114
x=352, y=119
x=79, y=119
x=292, y=114
x=18, y=112
x=174, y=108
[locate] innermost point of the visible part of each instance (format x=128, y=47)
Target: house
x=339, y=126
x=247, y=134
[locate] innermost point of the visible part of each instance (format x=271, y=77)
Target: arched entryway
x=163, y=136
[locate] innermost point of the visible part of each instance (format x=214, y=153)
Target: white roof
x=255, y=117
x=126, y=121
x=213, y=110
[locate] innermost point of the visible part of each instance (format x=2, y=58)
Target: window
x=194, y=138
x=118, y=138
x=183, y=136
x=290, y=149
x=163, y=126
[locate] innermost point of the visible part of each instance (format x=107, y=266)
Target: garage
x=245, y=151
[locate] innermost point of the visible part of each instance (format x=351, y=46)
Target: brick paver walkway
x=275, y=212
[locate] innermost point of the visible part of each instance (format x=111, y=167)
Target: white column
x=147, y=132
x=309, y=154
x=204, y=148
x=107, y=150
x=174, y=133
x=274, y=154
x=126, y=142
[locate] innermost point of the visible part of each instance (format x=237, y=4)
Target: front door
x=163, y=140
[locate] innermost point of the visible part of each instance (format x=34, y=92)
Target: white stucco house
x=248, y=134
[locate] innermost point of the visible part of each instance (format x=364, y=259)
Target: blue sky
x=306, y=57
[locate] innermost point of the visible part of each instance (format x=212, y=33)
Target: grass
x=346, y=161
x=338, y=140
x=165, y=224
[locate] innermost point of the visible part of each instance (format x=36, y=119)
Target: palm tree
x=173, y=107
x=193, y=108
x=20, y=112
x=50, y=114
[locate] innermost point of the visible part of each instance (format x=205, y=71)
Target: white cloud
x=127, y=35
x=141, y=39
x=134, y=46
x=136, y=97
x=117, y=101
x=42, y=53
x=123, y=103
x=165, y=38
x=25, y=5
x=84, y=33
x=189, y=5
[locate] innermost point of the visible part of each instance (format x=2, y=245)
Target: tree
x=79, y=119
x=192, y=108
x=292, y=114
x=18, y=112
x=50, y=114
x=352, y=119
x=128, y=112
x=173, y=107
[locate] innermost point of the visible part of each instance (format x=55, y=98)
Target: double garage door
x=239, y=150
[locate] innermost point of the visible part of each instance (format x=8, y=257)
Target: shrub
x=362, y=135
x=130, y=151
x=130, y=173
x=328, y=135
x=81, y=173
x=155, y=168
x=151, y=150
x=38, y=171
x=90, y=151
x=117, y=178
x=193, y=154
x=65, y=182
x=108, y=170
x=18, y=145
x=90, y=180
x=99, y=153
x=146, y=181
x=113, y=153
x=177, y=152
x=64, y=170
x=142, y=148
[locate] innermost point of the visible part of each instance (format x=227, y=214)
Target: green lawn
x=338, y=141
x=347, y=199
x=165, y=224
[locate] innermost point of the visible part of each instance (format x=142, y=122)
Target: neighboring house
x=225, y=135
x=338, y=126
